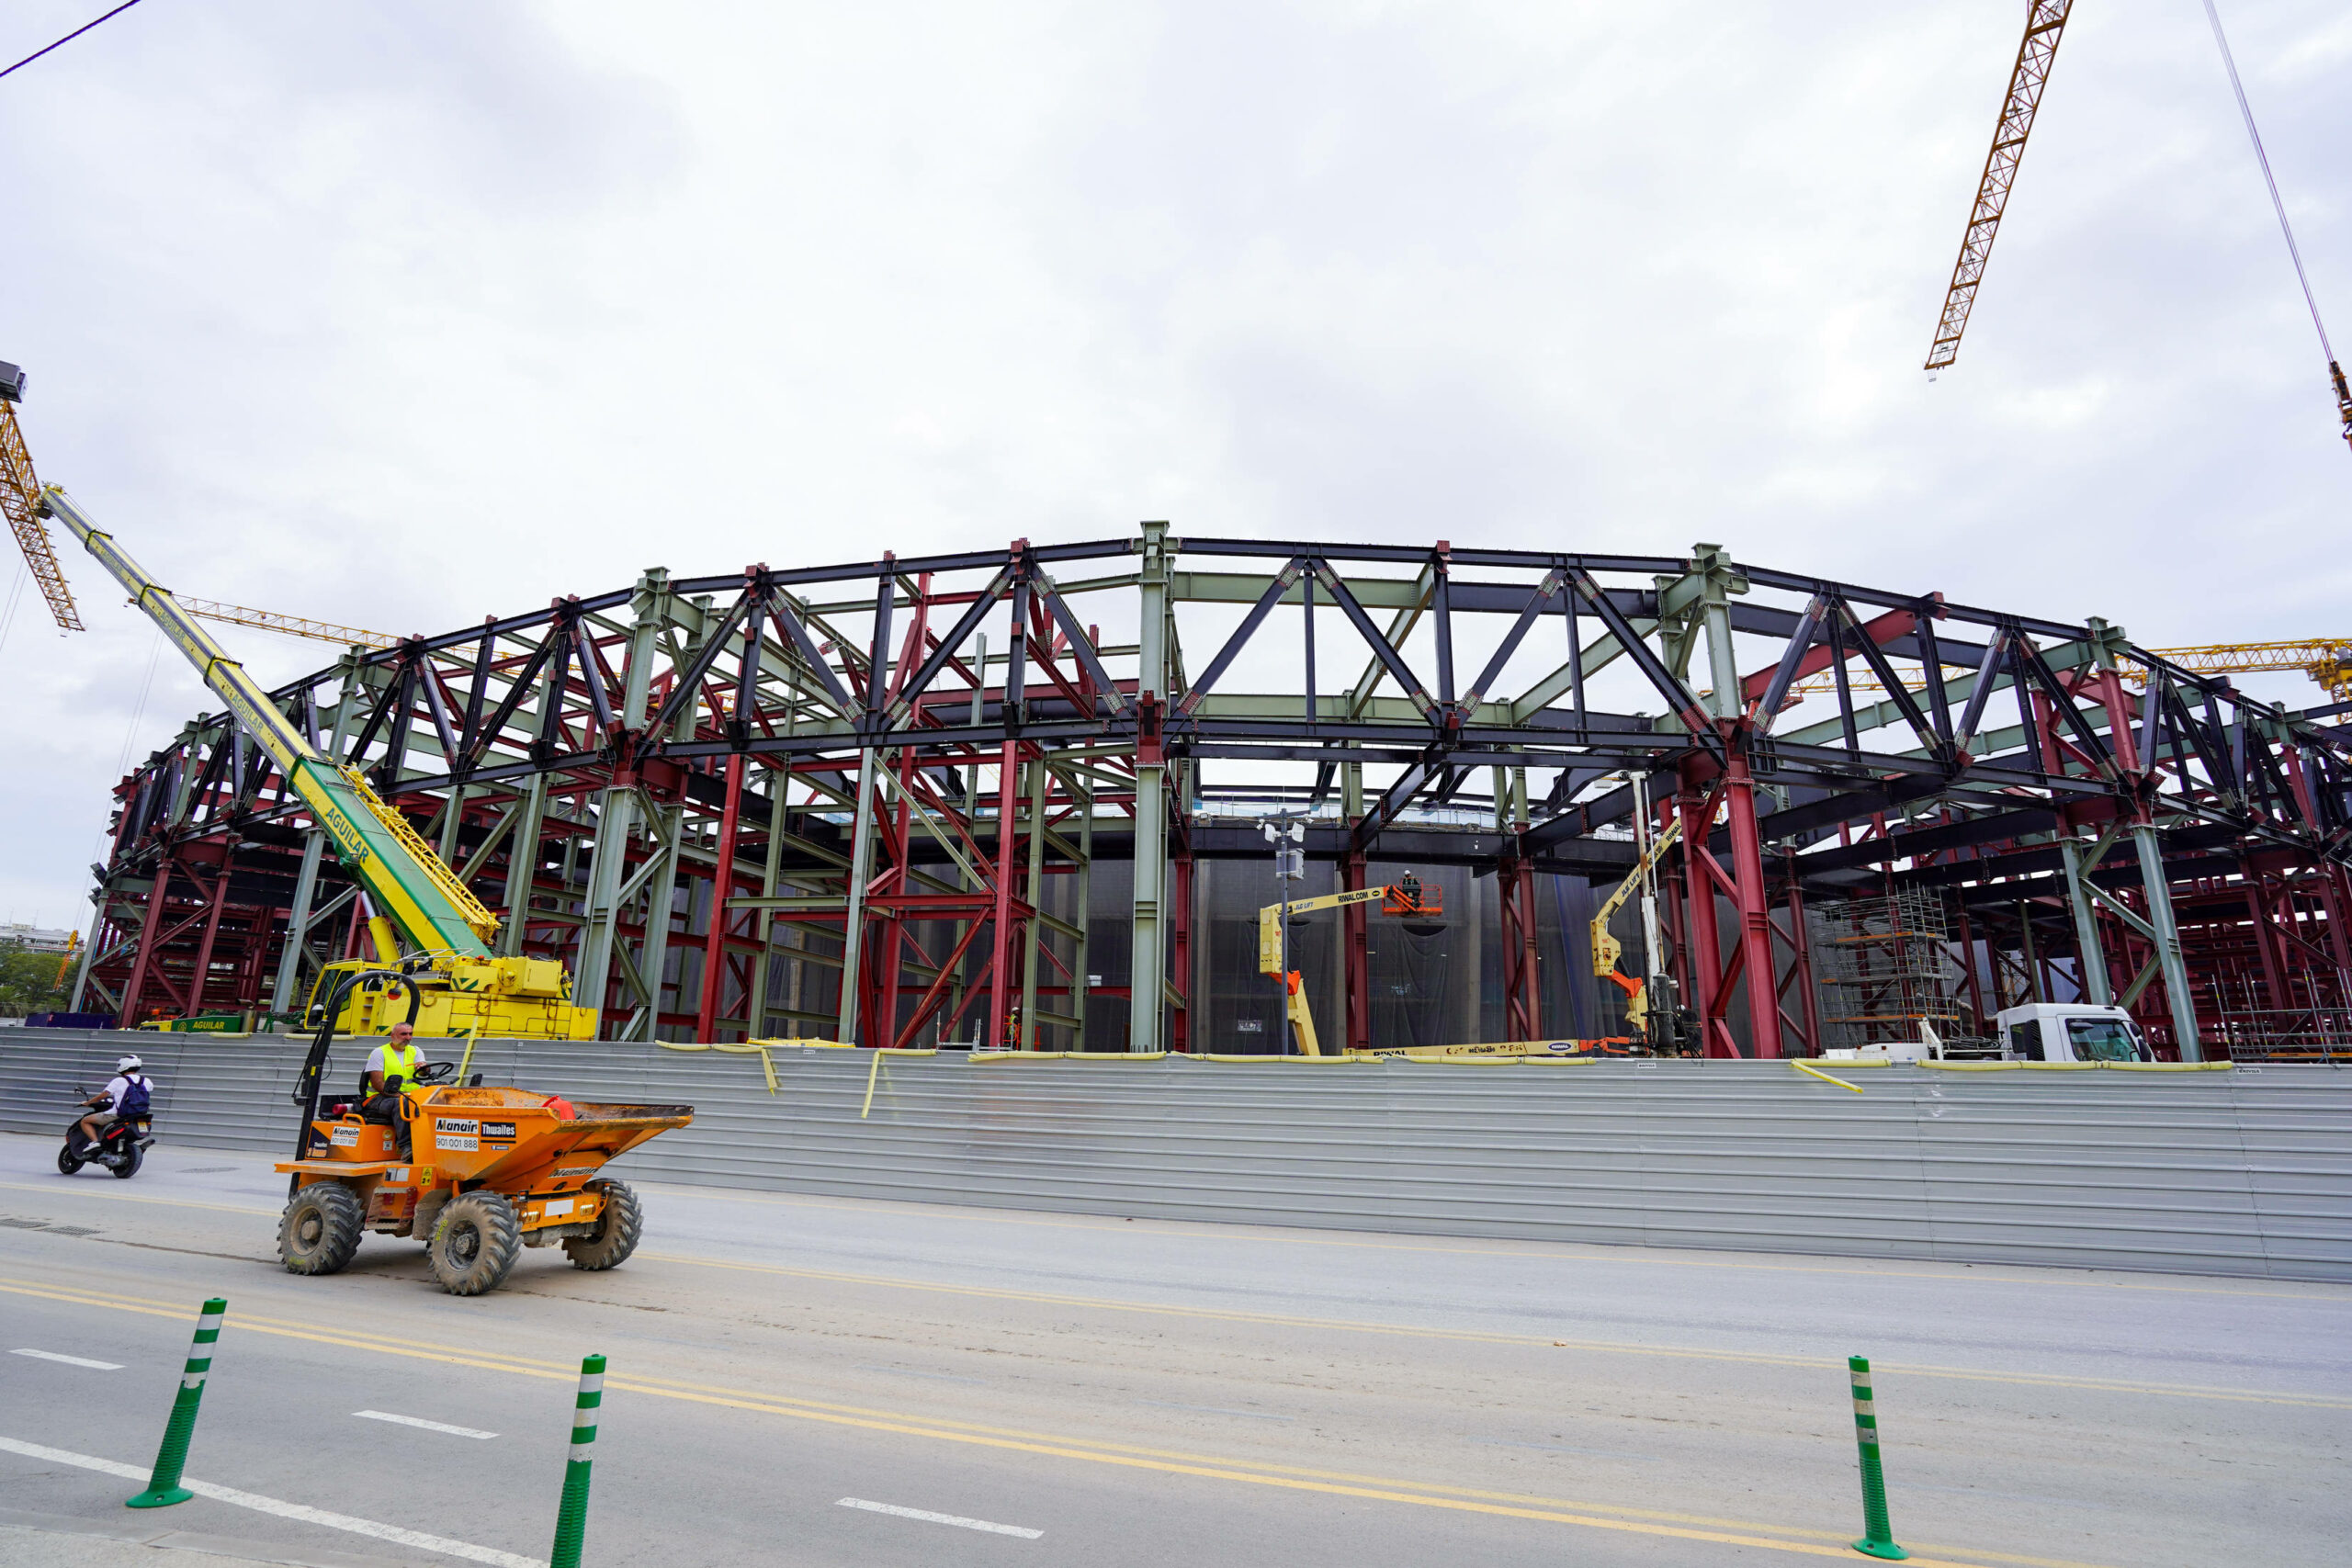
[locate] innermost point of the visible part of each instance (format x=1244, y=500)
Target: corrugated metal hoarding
x=2244, y=1171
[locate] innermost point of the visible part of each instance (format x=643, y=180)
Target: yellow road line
x=1471, y=1335
x=112, y=1196
x=1097, y=1303
x=1166, y=1461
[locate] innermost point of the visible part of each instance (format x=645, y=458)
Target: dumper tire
x=476, y=1239
x=321, y=1230
x=618, y=1229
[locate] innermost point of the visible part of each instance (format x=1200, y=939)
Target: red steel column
x=1755, y=903
x=1703, y=963
x=722, y=887
x=1008, y=805
x=1180, y=960
x=1356, y=954
x=148, y=927
x=1522, y=1000
x=211, y=930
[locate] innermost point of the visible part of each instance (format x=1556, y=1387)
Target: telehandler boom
x=451, y=983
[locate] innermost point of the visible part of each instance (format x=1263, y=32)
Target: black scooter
x=122, y=1144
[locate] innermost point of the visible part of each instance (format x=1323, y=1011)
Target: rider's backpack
x=134, y=1098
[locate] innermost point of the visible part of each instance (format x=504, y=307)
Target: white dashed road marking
x=420, y=1421
x=71, y=1361
x=928, y=1518
x=286, y=1510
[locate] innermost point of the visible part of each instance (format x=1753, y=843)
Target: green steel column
x=1148, y=968
x=2168, y=957
x=770, y=873
x=522, y=870
x=617, y=803
x=1701, y=597
x=2091, y=956
x=306, y=882
x=297, y=920
x=861, y=871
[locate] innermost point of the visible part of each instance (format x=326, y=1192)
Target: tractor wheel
x=321, y=1230
x=618, y=1232
x=475, y=1242
x=618, y=1229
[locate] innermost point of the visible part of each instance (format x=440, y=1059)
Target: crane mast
x=2045, y=24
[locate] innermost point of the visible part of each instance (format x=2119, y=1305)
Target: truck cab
x=2070, y=1031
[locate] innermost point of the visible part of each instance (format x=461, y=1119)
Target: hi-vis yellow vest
x=407, y=1063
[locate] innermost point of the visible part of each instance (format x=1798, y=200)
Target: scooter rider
x=127, y=1093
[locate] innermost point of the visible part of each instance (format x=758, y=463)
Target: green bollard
x=1878, y=1536
x=571, y=1518
x=164, y=1487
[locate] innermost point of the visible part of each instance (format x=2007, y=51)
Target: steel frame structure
x=864, y=801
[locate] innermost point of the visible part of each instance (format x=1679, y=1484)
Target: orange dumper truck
x=477, y=1173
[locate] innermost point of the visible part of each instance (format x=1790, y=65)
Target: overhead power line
x=2295, y=251
x=69, y=38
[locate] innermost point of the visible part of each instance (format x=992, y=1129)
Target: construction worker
x=397, y=1060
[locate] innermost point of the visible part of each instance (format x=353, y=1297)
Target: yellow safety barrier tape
x=874, y=1072
x=1824, y=1077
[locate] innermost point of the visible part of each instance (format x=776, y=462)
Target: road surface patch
x=927, y=1517
x=1639, y=1521
x=71, y=1361
x=301, y=1512
x=420, y=1421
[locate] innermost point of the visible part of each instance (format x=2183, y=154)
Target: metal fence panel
x=2243, y=1172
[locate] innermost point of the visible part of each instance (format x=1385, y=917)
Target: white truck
x=2070, y=1031
x=2042, y=1032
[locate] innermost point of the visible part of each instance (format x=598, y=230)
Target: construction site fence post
x=571, y=1518
x=1878, y=1534
x=164, y=1487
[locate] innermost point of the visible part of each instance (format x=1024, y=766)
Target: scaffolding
x=1887, y=966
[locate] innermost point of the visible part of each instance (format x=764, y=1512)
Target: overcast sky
x=399, y=314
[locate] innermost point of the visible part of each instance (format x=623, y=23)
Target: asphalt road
x=1138, y=1392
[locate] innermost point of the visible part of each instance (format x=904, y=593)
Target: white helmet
x=129, y=1064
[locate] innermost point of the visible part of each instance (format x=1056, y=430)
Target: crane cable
x=2294, y=252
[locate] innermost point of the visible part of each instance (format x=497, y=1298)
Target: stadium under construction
x=1017, y=798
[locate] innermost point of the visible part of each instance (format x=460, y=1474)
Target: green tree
x=30, y=982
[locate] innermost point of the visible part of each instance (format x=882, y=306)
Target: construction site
x=1141, y=1042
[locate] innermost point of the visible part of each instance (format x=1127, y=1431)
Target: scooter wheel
x=132, y=1154
x=66, y=1164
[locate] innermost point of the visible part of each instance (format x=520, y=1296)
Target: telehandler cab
x=480, y=1174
